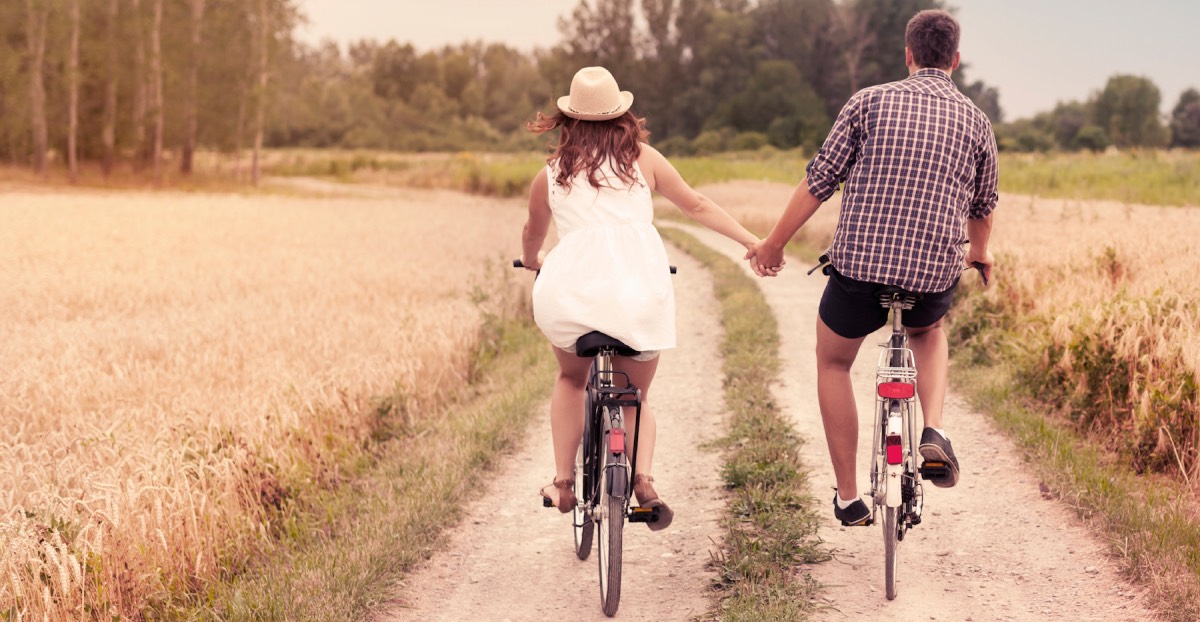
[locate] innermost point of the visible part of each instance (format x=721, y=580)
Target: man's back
x=918, y=159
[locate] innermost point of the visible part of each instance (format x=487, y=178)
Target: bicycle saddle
x=589, y=345
x=888, y=293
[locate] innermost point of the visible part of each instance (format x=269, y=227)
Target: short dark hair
x=932, y=37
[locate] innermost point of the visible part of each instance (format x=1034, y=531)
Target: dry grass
x=1103, y=299
x=177, y=367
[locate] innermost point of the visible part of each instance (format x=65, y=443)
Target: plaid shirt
x=918, y=159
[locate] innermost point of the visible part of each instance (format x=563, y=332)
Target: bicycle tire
x=584, y=527
x=891, y=544
x=611, y=526
x=586, y=459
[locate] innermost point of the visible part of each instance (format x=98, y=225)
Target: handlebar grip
x=518, y=264
x=978, y=265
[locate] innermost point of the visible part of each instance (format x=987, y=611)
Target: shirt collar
x=930, y=72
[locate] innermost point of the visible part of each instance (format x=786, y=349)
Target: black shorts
x=851, y=309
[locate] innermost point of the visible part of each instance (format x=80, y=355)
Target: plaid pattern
x=918, y=159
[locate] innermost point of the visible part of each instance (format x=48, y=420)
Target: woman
x=609, y=271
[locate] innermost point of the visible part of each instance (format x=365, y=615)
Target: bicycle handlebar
x=518, y=264
x=824, y=264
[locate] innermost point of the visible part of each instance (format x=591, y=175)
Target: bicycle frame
x=894, y=474
x=607, y=401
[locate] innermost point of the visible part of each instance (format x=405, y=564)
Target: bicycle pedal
x=547, y=503
x=935, y=470
x=643, y=515
x=867, y=523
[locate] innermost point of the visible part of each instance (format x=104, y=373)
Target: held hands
x=766, y=259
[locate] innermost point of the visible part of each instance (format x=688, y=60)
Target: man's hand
x=986, y=259
x=766, y=259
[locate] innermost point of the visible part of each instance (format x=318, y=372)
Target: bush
x=1092, y=138
x=676, y=146
x=710, y=142
x=749, y=141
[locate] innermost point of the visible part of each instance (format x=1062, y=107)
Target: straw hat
x=595, y=96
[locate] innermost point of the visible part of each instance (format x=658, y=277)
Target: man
x=918, y=160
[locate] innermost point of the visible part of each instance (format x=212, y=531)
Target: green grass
x=1148, y=177
x=770, y=524
x=341, y=556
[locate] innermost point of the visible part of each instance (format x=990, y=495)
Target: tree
x=260, y=116
x=987, y=98
x=38, y=15
x=73, y=96
x=190, y=113
x=109, y=131
x=1185, y=120
x=778, y=102
x=156, y=89
x=1127, y=110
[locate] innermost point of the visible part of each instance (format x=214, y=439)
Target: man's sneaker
x=936, y=450
x=856, y=515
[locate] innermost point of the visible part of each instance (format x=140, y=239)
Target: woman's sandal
x=566, y=495
x=647, y=498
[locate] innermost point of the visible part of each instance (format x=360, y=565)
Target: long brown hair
x=586, y=145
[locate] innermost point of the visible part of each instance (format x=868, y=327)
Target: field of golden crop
x=1103, y=300
x=178, y=367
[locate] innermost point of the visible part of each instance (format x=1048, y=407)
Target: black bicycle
x=605, y=462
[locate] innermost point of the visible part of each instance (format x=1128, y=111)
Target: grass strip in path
x=771, y=526
x=356, y=543
x=1151, y=523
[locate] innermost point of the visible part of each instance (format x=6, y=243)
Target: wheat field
x=176, y=367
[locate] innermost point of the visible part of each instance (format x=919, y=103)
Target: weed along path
x=991, y=548
x=511, y=559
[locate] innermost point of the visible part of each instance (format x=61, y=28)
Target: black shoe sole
x=933, y=453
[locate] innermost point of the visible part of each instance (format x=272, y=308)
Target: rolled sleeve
x=986, y=178
x=829, y=168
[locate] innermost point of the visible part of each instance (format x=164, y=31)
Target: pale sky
x=1037, y=52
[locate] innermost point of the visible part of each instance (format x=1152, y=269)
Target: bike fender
x=617, y=482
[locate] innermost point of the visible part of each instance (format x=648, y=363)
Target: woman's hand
x=765, y=258
x=535, y=263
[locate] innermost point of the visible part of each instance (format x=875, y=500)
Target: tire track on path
x=989, y=549
x=511, y=559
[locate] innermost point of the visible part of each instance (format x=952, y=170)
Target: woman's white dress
x=609, y=271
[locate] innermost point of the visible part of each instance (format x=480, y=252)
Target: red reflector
x=616, y=441
x=896, y=390
x=895, y=452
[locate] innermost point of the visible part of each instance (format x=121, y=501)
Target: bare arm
x=538, y=224
x=667, y=181
x=979, y=231
x=768, y=254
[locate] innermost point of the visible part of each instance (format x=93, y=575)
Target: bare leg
x=641, y=374
x=932, y=356
x=839, y=413
x=566, y=411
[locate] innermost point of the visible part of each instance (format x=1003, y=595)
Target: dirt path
x=513, y=560
x=990, y=549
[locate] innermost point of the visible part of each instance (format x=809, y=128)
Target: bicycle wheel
x=586, y=459
x=891, y=543
x=611, y=524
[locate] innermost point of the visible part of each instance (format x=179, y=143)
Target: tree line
x=144, y=84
